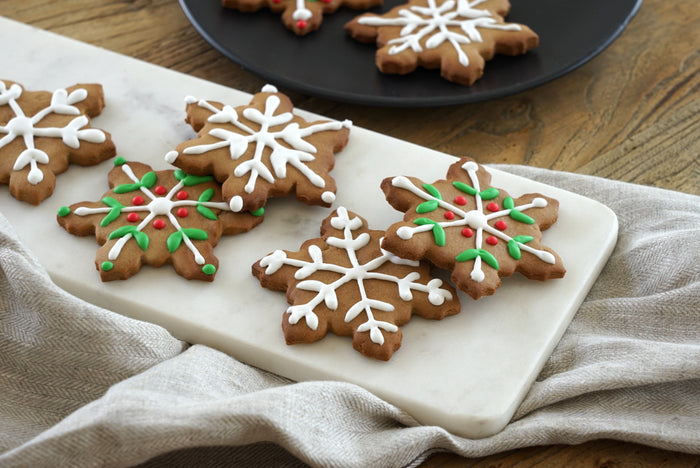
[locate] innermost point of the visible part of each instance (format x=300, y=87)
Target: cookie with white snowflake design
x=300, y=16
x=456, y=36
x=155, y=218
x=262, y=150
x=478, y=231
x=41, y=133
x=345, y=283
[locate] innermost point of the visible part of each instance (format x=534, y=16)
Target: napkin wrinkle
x=118, y=392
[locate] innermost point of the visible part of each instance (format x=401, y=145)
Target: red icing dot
x=449, y=215
x=326, y=1
x=182, y=212
x=301, y=24
x=276, y=1
x=132, y=217
x=466, y=232
x=160, y=190
x=460, y=200
x=137, y=200
x=493, y=206
x=159, y=224
x=491, y=240
x=181, y=195
x=501, y=225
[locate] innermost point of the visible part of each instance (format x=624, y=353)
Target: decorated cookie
x=42, y=132
x=345, y=283
x=478, y=231
x=457, y=36
x=155, y=218
x=300, y=16
x=262, y=150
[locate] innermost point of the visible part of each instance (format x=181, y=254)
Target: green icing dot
x=119, y=161
x=106, y=266
x=259, y=212
x=63, y=211
x=209, y=269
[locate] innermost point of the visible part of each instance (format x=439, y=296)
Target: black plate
x=328, y=63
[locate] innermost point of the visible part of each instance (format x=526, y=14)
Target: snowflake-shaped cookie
x=300, y=16
x=478, y=231
x=262, y=150
x=457, y=36
x=155, y=218
x=41, y=133
x=346, y=284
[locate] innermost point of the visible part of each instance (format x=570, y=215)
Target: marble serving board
x=466, y=373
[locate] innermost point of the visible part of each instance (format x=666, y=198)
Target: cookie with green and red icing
x=42, y=132
x=345, y=283
x=156, y=218
x=262, y=150
x=478, y=231
x=456, y=36
x=300, y=16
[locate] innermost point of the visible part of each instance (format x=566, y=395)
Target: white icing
x=475, y=219
x=157, y=206
x=268, y=88
x=171, y=156
x=22, y=126
x=297, y=154
x=328, y=197
x=431, y=25
x=356, y=272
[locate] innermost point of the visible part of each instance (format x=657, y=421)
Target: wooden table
x=631, y=114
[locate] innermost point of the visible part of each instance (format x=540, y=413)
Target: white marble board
x=467, y=373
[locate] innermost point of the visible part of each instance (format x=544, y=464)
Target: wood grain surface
x=631, y=114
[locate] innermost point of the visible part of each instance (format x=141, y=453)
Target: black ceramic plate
x=328, y=63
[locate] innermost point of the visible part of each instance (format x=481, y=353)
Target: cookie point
x=470, y=166
x=171, y=156
x=190, y=99
x=268, y=88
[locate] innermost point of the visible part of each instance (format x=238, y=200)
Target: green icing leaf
x=467, y=255
x=259, y=212
x=438, y=231
x=206, y=212
x=63, y=211
x=432, y=191
x=122, y=231
x=190, y=180
x=514, y=249
x=523, y=218
x=118, y=161
x=174, y=241
x=508, y=203
x=141, y=239
x=489, y=194
x=522, y=239
x=485, y=255
x=206, y=195
x=464, y=188
x=126, y=188
x=113, y=213
x=196, y=234
x=427, y=206
x=148, y=179
x=488, y=257
x=179, y=174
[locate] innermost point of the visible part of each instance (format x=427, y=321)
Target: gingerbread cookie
x=155, y=218
x=262, y=150
x=42, y=132
x=300, y=16
x=478, y=231
x=457, y=36
x=345, y=283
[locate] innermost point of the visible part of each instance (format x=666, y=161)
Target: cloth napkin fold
x=82, y=386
